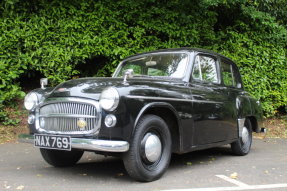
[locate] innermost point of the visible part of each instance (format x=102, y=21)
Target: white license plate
x=52, y=142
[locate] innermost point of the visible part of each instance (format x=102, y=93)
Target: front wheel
x=58, y=158
x=242, y=146
x=150, y=150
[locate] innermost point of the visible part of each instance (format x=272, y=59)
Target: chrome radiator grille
x=74, y=116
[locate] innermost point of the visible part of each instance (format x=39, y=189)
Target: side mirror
x=239, y=85
x=43, y=82
x=129, y=73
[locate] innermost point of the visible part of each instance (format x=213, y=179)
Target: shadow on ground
x=96, y=166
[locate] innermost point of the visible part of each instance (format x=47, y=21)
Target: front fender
x=170, y=115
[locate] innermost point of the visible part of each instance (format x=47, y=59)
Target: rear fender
x=250, y=108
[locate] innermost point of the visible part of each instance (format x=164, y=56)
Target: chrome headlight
x=31, y=100
x=109, y=99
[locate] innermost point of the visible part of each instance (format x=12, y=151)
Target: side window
x=137, y=69
x=204, y=69
x=230, y=75
x=227, y=74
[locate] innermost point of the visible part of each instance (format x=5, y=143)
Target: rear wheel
x=150, y=150
x=242, y=146
x=60, y=158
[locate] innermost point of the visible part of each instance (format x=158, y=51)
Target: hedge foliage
x=55, y=37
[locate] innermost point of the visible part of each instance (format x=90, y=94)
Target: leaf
x=234, y=175
x=120, y=174
x=21, y=187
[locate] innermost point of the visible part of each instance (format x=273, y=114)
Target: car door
x=233, y=88
x=208, y=101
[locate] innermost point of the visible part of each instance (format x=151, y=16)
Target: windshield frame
x=115, y=74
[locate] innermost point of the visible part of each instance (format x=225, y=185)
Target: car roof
x=184, y=49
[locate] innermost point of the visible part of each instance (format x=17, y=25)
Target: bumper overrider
x=87, y=144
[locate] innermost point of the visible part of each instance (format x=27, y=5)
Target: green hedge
x=55, y=37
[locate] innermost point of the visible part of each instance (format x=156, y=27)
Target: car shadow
x=103, y=168
x=100, y=169
x=197, y=158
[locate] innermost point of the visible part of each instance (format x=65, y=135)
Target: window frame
x=218, y=73
x=235, y=73
x=183, y=78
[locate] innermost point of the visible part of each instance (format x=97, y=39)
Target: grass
x=276, y=127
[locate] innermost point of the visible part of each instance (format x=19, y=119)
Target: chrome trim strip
x=100, y=145
x=68, y=115
x=240, y=123
x=87, y=144
x=67, y=99
x=171, y=99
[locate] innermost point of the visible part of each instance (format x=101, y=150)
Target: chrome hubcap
x=152, y=147
x=245, y=135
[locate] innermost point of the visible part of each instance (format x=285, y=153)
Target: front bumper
x=87, y=144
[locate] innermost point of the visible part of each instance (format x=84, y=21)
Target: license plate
x=52, y=142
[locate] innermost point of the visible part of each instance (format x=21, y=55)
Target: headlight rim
x=35, y=101
x=116, y=99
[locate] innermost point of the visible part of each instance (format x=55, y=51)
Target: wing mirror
x=43, y=82
x=129, y=73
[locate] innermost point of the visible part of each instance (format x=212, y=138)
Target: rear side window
x=204, y=69
x=229, y=75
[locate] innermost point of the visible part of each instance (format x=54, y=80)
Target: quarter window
x=228, y=74
x=205, y=69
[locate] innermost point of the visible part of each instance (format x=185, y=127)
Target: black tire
x=135, y=162
x=58, y=158
x=241, y=147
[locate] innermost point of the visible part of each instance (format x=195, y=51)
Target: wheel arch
x=254, y=123
x=168, y=113
x=247, y=108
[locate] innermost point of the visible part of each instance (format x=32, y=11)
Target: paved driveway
x=22, y=168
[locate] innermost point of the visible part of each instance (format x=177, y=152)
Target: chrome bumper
x=87, y=144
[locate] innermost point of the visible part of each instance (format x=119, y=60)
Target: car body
x=156, y=103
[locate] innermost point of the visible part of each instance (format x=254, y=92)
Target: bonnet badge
x=81, y=124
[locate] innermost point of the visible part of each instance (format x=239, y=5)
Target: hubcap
x=152, y=147
x=245, y=135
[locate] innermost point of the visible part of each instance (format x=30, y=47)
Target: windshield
x=156, y=65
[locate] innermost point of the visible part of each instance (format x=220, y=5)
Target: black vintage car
x=156, y=103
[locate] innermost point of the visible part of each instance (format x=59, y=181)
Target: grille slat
x=63, y=117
